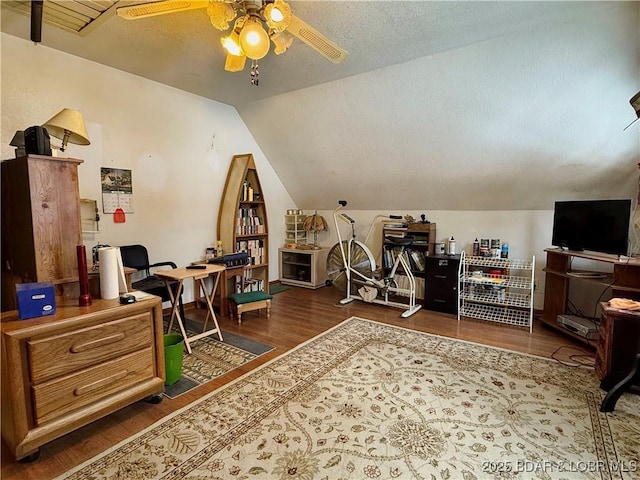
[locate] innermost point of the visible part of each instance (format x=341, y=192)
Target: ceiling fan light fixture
x=234, y=63
x=220, y=14
x=282, y=41
x=277, y=15
x=254, y=40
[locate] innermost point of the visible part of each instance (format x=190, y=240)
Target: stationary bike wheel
x=361, y=261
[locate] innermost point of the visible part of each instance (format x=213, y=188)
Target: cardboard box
x=35, y=299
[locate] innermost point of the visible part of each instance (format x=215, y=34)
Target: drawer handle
x=82, y=347
x=440, y=276
x=89, y=388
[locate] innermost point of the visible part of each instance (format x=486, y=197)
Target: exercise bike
x=350, y=263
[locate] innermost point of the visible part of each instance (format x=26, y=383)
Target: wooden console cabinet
x=303, y=268
x=618, y=344
x=63, y=371
x=624, y=282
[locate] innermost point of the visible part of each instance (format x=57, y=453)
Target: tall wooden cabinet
x=41, y=224
x=242, y=220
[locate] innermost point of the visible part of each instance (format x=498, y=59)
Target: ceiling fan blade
x=144, y=10
x=316, y=40
x=36, y=20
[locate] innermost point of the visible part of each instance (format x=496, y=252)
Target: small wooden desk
x=199, y=276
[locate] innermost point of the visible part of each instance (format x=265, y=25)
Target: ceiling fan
x=246, y=21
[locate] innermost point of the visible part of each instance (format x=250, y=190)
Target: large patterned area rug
x=368, y=400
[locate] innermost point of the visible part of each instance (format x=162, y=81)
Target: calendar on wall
x=117, y=190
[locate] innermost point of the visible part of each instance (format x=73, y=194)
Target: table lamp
x=315, y=223
x=68, y=125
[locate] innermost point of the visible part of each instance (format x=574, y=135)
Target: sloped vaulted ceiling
x=440, y=105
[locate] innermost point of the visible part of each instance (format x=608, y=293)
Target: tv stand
x=624, y=282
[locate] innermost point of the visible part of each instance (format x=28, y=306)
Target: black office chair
x=136, y=256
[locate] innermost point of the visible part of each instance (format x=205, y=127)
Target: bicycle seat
x=400, y=241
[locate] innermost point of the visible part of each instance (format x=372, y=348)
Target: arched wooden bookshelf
x=242, y=221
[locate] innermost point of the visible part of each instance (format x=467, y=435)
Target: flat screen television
x=594, y=225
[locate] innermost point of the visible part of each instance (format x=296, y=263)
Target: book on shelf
x=417, y=260
x=395, y=232
x=393, y=223
x=402, y=281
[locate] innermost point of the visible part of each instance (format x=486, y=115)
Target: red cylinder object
x=83, y=277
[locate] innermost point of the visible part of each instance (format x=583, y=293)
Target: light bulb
x=231, y=44
x=254, y=41
x=276, y=15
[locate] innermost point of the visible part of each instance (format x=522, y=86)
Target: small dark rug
x=211, y=358
x=273, y=289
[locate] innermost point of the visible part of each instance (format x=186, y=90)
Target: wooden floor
x=297, y=315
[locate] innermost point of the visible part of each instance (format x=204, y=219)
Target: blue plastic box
x=35, y=299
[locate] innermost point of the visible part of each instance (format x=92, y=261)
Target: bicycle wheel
x=361, y=261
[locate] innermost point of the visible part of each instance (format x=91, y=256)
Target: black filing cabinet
x=441, y=283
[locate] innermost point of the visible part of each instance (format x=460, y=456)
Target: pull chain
x=255, y=73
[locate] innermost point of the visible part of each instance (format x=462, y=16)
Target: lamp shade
x=69, y=126
x=18, y=139
x=254, y=40
x=635, y=103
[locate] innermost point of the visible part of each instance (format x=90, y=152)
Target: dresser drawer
x=58, y=397
x=65, y=353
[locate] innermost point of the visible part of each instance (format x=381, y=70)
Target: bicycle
x=350, y=262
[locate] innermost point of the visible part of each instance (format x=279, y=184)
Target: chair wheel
x=327, y=283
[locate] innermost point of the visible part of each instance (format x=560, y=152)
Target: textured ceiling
x=183, y=49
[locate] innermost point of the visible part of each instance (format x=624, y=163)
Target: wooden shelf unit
x=624, y=282
x=242, y=221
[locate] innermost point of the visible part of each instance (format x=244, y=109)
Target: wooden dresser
x=618, y=344
x=63, y=371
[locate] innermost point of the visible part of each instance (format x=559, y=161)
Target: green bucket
x=173, y=349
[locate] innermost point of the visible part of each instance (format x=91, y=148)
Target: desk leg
x=211, y=312
x=175, y=313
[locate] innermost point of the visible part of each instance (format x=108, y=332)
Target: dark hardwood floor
x=297, y=315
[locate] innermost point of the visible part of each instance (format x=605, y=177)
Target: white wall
x=528, y=233
x=512, y=123
x=178, y=146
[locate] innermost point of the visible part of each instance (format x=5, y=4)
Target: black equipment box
x=232, y=259
x=36, y=141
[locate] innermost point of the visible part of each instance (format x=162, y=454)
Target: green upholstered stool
x=248, y=301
